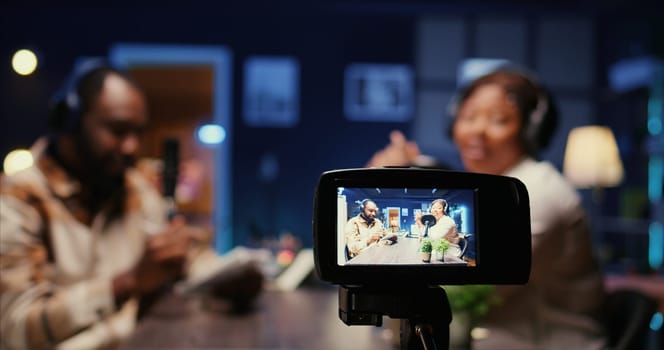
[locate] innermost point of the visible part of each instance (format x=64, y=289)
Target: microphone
x=171, y=159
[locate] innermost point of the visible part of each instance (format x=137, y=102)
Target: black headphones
x=539, y=123
x=65, y=105
x=363, y=204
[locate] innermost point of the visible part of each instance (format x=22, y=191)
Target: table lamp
x=592, y=159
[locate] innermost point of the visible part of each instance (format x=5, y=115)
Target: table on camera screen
x=405, y=251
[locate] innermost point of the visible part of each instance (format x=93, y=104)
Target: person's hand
x=375, y=237
x=163, y=260
x=399, y=152
x=241, y=287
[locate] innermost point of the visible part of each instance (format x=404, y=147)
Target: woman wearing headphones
x=445, y=227
x=500, y=122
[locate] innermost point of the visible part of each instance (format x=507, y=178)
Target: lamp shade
x=592, y=158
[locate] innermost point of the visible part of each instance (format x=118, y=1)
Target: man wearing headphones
x=364, y=229
x=499, y=123
x=85, y=238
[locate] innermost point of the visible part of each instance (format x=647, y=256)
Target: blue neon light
x=654, y=126
x=656, y=242
x=656, y=321
x=655, y=178
x=463, y=213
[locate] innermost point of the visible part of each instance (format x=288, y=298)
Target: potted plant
x=440, y=246
x=426, y=249
x=469, y=303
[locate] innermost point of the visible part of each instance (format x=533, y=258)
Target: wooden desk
x=405, y=251
x=302, y=319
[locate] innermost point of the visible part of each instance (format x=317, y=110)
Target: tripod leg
x=409, y=339
x=424, y=335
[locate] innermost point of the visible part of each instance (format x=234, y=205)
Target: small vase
x=426, y=257
x=440, y=255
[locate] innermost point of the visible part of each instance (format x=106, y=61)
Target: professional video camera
x=370, y=226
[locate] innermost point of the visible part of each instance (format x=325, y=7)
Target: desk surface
x=405, y=251
x=306, y=318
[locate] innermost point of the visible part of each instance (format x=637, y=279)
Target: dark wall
x=323, y=139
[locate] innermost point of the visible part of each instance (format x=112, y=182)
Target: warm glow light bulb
x=24, y=62
x=17, y=160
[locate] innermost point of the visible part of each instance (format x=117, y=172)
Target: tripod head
x=424, y=312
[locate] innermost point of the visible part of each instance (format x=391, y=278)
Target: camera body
x=489, y=244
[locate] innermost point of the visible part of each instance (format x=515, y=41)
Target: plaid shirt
x=56, y=270
x=358, y=231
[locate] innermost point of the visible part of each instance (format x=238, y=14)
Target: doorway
x=187, y=87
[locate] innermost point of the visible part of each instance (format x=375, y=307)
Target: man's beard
x=368, y=219
x=96, y=170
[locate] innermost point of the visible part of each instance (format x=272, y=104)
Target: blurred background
x=289, y=89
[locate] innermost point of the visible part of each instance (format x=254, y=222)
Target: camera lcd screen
x=403, y=218
x=406, y=226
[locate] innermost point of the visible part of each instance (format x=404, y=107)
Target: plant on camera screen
x=441, y=245
x=426, y=246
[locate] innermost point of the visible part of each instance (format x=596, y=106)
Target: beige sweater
x=557, y=308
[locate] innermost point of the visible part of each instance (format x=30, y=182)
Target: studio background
x=571, y=44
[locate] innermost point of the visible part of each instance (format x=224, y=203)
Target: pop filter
x=428, y=221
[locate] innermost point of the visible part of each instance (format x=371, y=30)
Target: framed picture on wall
x=378, y=92
x=271, y=91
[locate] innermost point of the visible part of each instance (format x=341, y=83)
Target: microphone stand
x=171, y=159
x=171, y=155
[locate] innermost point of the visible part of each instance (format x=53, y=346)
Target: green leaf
x=426, y=246
x=474, y=299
